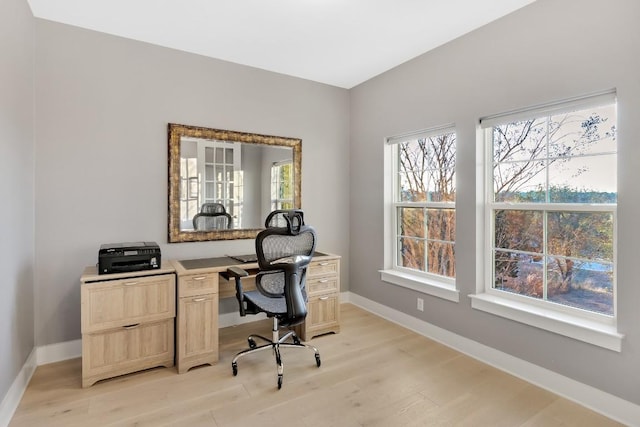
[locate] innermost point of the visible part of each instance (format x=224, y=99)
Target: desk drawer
x=323, y=268
x=198, y=284
x=115, y=303
x=322, y=285
x=126, y=349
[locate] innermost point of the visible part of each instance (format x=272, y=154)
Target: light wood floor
x=373, y=373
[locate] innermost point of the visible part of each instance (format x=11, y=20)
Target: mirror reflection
x=222, y=184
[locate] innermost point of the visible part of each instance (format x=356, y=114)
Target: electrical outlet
x=420, y=304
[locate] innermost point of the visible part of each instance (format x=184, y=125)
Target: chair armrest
x=291, y=260
x=237, y=272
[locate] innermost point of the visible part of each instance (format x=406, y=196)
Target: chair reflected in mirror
x=212, y=216
x=212, y=208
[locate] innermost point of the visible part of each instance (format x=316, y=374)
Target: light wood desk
x=128, y=318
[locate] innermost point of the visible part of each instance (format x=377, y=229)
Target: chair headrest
x=293, y=219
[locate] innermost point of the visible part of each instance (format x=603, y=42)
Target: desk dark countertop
x=192, y=264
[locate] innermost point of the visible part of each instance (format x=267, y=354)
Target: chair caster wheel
x=252, y=343
x=296, y=340
x=279, y=382
x=318, y=362
x=234, y=367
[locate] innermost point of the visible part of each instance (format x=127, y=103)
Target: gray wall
x=102, y=107
x=16, y=189
x=549, y=50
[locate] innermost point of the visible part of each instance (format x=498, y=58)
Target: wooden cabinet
x=323, y=290
x=127, y=322
x=197, y=335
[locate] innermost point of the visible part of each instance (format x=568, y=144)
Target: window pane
x=583, y=179
x=228, y=155
x=413, y=186
x=518, y=273
x=441, y=224
x=588, y=131
x=208, y=173
x=426, y=169
x=193, y=188
x=411, y=253
x=219, y=173
x=208, y=155
x=581, y=234
x=219, y=155
x=585, y=285
x=411, y=222
x=520, y=182
x=184, y=194
x=441, y=259
x=441, y=185
x=519, y=230
x=521, y=140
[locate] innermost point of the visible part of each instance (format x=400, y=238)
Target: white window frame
x=593, y=328
x=423, y=282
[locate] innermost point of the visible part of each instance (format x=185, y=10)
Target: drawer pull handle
x=323, y=298
x=200, y=278
x=132, y=326
x=198, y=299
x=130, y=283
x=324, y=280
x=322, y=264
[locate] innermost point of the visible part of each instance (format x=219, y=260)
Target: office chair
x=212, y=221
x=213, y=208
x=283, y=256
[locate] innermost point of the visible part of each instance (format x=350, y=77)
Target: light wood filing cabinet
x=197, y=335
x=323, y=291
x=127, y=322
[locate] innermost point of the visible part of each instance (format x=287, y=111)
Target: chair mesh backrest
x=212, y=208
x=272, y=283
x=211, y=222
x=277, y=246
x=282, y=246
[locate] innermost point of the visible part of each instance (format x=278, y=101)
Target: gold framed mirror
x=222, y=183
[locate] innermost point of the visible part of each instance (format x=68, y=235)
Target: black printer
x=124, y=257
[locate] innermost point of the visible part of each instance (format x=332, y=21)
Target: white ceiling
x=337, y=42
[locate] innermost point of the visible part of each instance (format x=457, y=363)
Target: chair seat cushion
x=276, y=306
x=264, y=303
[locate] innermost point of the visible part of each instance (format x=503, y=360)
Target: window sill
x=588, y=331
x=420, y=284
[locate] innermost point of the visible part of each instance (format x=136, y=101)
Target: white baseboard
x=14, y=394
x=58, y=352
x=604, y=403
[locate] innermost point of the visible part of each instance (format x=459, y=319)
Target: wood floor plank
x=373, y=373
